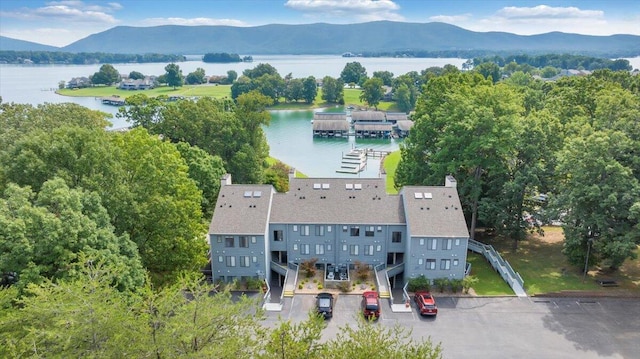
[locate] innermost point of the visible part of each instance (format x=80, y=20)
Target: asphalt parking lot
x=502, y=327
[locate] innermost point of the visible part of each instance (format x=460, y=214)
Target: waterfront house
x=256, y=232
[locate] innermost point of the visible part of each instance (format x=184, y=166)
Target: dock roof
x=404, y=125
x=368, y=116
x=372, y=126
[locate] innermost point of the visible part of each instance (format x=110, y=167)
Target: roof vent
x=417, y=195
x=317, y=186
x=348, y=185
x=325, y=186
x=257, y=194
x=357, y=186
x=247, y=194
x=428, y=195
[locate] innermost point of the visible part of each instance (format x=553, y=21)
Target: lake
x=290, y=133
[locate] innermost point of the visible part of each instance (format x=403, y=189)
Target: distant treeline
x=561, y=61
x=82, y=58
x=472, y=54
x=223, y=57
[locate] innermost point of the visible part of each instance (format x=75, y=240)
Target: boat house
x=330, y=124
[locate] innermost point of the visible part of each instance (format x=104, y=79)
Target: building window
x=344, y=247
x=422, y=241
x=355, y=231
x=244, y=261
x=328, y=248
x=277, y=235
x=431, y=264
x=295, y=247
x=319, y=248
x=420, y=261
x=304, y=249
x=353, y=250
x=304, y=230
x=254, y=259
x=396, y=237
x=295, y=228
x=228, y=242
x=445, y=264
x=431, y=244
x=219, y=239
x=369, y=231
x=455, y=262
x=368, y=250
x=220, y=259
x=253, y=239
x=379, y=228
x=378, y=248
x=344, y=228
x=243, y=242
x=231, y=261
x=457, y=241
x=329, y=229
x=319, y=230
x=446, y=244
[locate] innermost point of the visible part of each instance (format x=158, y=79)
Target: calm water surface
x=290, y=133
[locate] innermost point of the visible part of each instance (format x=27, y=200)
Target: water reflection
x=290, y=137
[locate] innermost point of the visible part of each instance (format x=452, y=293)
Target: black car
x=324, y=304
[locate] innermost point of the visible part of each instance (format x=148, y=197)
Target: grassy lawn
x=544, y=268
x=351, y=96
x=489, y=281
x=390, y=164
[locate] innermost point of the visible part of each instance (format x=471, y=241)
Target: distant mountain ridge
x=7, y=43
x=321, y=39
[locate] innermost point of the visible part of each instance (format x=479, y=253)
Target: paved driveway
x=504, y=327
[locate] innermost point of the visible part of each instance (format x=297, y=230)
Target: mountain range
x=321, y=38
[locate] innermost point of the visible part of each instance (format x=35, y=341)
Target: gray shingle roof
x=436, y=214
x=396, y=116
x=330, y=125
x=405, y=125
x=242, y=209
x=372, y=126
x=367, y=116
x=327, y=200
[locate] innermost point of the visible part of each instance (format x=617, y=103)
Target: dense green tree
x=260, y=70
x=135, y=75
x=372, y=92
x=489, y=70
x=241, y=86
x=142, y=111
x=278, y=175
x=173, y=75
x=364, y=340
x=296, y=340
x=599, y=198
x=231, y=76
x=385, y=76
x=106, y=76
x=196, y=77
x=206, y=170
x=161, y=210
x=332, y=90
x=402, y=96
x=309, y=89
x=272, y=86
x=43, y=236
x=353, y=72
x=294, y=90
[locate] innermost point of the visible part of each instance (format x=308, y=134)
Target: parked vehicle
x=324, y=304
x=426, y=303
x=371, y=305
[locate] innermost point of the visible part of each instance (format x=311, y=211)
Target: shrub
x=420, y=283
x=344, y=287
x=309, y=267
x=361, y=270
x=456, y=285
x=468, y=282
x=320, y=286
x=300, y=286
x=441, y=283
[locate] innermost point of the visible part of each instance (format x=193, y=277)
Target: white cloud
x=66, y=12
x=451, y=19
x=543, y=19
x=361, y=10
x=190, y=22
x=547, y=12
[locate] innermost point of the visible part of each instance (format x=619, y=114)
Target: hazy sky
x=60, y=23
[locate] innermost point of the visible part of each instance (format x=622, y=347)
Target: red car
x=426, y=303
x=371, y=305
